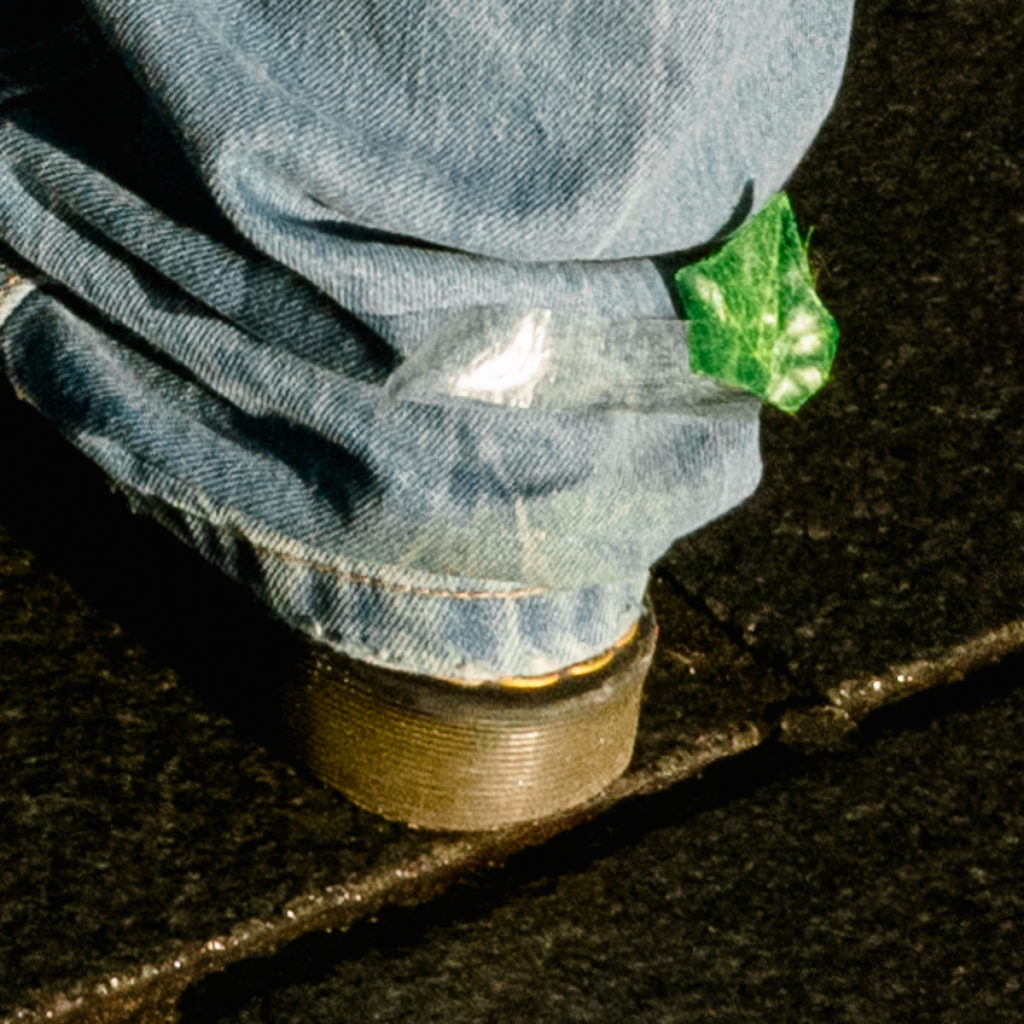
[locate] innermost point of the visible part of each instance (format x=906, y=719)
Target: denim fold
x=258, y=257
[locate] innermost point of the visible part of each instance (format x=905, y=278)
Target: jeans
x=370, y=301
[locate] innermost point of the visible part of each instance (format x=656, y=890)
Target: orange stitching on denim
x=351, y=577
x=13, y=290
x=396, y=588
x=11, y=281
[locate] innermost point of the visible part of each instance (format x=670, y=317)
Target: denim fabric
x=281, y=251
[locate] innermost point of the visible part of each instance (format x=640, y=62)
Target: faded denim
x=258, y=252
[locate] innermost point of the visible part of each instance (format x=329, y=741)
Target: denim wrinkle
x=282, y=255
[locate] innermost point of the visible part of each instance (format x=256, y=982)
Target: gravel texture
x=878, y=885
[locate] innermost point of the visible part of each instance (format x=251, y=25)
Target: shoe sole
x=441, y=755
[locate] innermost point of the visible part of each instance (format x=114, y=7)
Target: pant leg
x=247, y=226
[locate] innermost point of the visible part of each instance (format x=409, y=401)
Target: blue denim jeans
x=371, y=301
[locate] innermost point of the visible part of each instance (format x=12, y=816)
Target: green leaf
x=755, y=321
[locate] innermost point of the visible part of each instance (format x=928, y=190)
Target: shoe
x=449, y=755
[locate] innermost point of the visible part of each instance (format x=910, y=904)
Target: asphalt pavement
x=880, y=884
x=822, y=820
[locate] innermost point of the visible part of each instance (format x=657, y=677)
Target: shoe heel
x=442, y=755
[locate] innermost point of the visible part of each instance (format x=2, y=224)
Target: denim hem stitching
x=398, y=588
x=346, y=575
